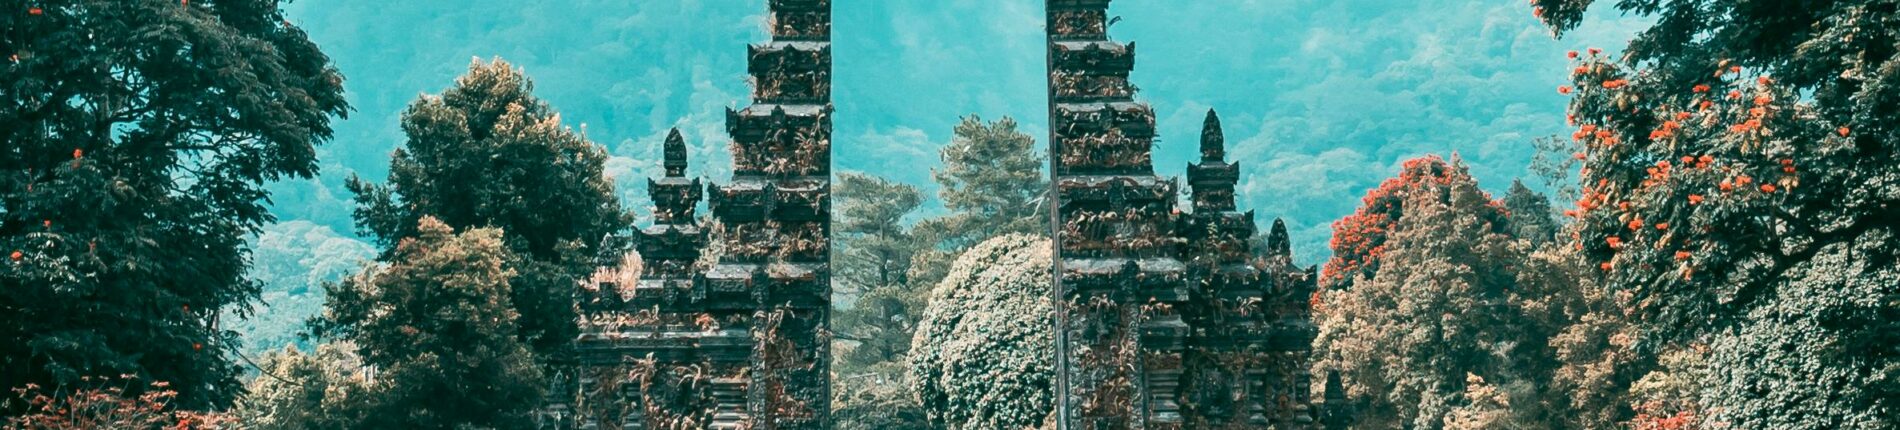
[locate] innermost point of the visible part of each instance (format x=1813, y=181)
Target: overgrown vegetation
x=138, y=139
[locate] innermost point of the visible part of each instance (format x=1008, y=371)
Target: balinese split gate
x=1165, y=318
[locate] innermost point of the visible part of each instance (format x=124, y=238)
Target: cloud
x=1320, y=98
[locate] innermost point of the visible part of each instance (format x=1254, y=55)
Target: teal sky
x=1320, y=99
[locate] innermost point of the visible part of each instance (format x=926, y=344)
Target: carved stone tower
x=740, y=340
x=1121, y=282
x=775, y=222
x=1164, y=319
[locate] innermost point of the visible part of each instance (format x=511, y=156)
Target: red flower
x=1843, y=131
x=1619, y=83
x=1563, y=89
x=1701, y=88
x=46, y=223
x=34, y=11
x=1595, y=51
x=1606, y=266
x=17, y=255
x=1682, y=115
x=77, y=153
x=1762, y=100
x=1683, y=255
x=1763, y=80
x=1573, y=54
x=197, y=346
x=1734, y=94
x=1695, y=199
x=1636, y=224
x=1662, y=226
x=1767, y=188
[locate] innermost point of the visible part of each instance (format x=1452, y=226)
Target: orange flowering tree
x=1741, y=189
x=1429, y=298
x=1359, y=239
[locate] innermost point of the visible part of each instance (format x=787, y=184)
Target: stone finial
x=1213, y=142
x=1278, y=244
x=675, y=153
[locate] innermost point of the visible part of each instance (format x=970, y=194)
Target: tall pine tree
x=135, y=141
x=872, y=264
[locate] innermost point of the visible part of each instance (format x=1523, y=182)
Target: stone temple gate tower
x=724, y=324
x=1165, y=319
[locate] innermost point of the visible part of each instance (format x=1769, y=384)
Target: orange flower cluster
x=1658, y=174
x=1614, y=84
x=1787, y=165
x=1701, y=88
x=1668, y=130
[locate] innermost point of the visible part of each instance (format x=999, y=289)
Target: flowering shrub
x=106, y=403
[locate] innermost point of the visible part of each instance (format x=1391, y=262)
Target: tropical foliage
x=138, y=138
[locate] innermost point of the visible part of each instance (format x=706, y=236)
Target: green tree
x=327, y=389
x=487, y=153
x=981, y=355
x=138, y=137
x=992, y=183
x=437, y=324
x=874, y=331
x=1530, y=214
x=1741, y=189
x=1443, y=309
